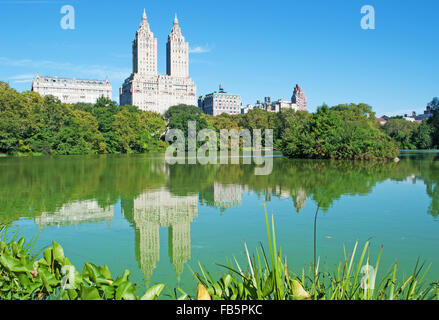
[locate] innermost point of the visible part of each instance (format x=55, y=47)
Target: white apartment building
x=146, y=89
x=69, y=90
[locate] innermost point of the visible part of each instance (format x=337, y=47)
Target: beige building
x=217, y=103
x=152, y=92
x=69, y=90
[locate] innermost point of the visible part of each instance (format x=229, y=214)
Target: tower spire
x=176, y=28
x=145, y=25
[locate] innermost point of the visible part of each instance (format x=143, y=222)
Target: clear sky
x=254, y=48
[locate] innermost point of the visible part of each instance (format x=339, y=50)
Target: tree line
x=32, y=124
x=412, y=135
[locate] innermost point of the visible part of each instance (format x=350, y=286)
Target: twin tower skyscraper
x=148, y=90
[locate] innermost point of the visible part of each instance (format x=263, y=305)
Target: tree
x=423, y=136
x=138, y=131
x=18, y=119
x=402, y=131
x=179, y=116
x=79, y=135
x=336, y=133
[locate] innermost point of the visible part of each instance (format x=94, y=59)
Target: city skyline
x=318, y=45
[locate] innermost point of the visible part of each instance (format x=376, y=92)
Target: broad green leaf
x=58, y=252
x=105, y=272
x=298, y=292
x=90, y=293
x=126, y=291
x=154, y=292
x=13, y=265
x=48, y=256
x=125, y=276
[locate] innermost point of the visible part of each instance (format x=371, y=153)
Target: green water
x=138, y=213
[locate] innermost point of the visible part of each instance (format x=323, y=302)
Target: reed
x=267, y=277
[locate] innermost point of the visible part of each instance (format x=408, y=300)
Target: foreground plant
x=23, y=277
x=270, y=279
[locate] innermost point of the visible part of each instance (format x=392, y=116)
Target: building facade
x=297, y=102
x=220, y=102
x=72, y=90
x=299, y=98
x=150, y=91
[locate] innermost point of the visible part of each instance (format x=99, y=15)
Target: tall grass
x=267, y=277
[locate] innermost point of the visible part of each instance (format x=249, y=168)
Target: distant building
x=220, y=102
x=427, y=114
x=298, y=102
x=299, y=98
x=246, y=109
x=146, y=89
x=382, y=121
x=72, y=90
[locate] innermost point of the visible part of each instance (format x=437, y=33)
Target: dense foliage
x=413, y=135
x=30, y=123
x=340, y=132
x=24, y=277
x=409, y=135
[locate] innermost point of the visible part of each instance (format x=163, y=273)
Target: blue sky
x=254, y=48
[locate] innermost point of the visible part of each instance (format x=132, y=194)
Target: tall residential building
x=299, y=98
x=150, y=91
x=72, y=90
x=220, y=102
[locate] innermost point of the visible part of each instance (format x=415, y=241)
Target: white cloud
x=199, y=49
x=22, y=78
x=67, y=69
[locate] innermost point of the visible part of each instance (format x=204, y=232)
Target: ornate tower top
x=144, y=25
x=177, y=53
x=176, y=31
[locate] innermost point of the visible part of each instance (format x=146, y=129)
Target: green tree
x=423, y=136
x=138, y=131
x=18, y=119
x=79, y=135
x=402, y=131
x=342, y=132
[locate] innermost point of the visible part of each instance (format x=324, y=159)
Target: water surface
x=136, y=212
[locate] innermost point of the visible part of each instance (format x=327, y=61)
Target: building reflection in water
x=298, y=196
x=227, y=195
x=155, y=209
x=75, y=213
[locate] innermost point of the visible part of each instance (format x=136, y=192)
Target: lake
x=136, y=212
